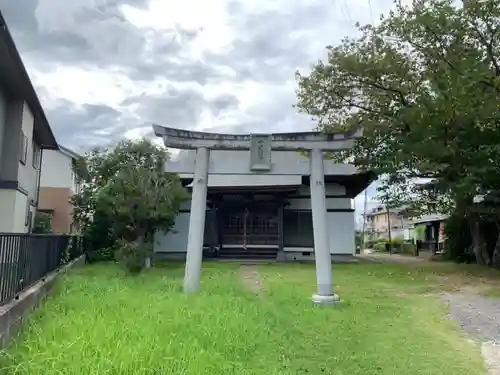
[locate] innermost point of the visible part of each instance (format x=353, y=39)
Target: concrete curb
x=14, y=313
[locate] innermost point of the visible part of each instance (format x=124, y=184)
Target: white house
x=58, y=169
x=24, y=132
x=382, y=222
x=58, y=184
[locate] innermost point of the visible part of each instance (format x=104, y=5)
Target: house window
x=24, y=148
x=36, y=155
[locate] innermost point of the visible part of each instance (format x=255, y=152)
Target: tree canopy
x=424, y=83
x=127, y=194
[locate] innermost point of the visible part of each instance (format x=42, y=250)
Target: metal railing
x=27, y=258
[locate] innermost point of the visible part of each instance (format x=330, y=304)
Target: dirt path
x=479, y=318
x=250, y=278
x=376, y=257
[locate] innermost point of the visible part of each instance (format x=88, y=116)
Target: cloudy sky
x=107, y=69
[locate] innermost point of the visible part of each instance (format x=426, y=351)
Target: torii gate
x=260, y=146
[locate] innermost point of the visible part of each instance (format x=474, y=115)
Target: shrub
x=369, y=244
x=419, y=231
x=105, y=254
x=396, y=241
x=43, y=223
x=132, y=255
x=398, y=246
x=379, y=246
x=75, y=247
x=408, y=248
x=100, y=239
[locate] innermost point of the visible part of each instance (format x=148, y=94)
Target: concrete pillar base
x=325, y=300
x=281, y=256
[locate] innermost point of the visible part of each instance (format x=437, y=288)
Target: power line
x=371, y=10
x=344, y=9
x=348, y=13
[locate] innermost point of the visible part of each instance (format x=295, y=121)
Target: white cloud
x=92, y=86
x=231, y=61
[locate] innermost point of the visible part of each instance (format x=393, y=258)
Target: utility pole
x=363, y=234
x=389, y=229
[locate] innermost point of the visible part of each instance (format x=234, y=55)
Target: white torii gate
x=260, y=146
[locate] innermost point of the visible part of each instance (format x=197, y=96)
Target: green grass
x=103, y=322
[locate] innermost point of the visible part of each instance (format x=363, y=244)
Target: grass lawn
x=102, y=322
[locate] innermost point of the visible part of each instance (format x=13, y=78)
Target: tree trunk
x=495, y=258
x=142, y=236
x=478, y=245
x=462, y=206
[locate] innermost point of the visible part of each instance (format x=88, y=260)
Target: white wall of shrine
x=340, y=217
x=175, y=241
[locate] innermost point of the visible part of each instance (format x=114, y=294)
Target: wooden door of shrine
x=250, y=225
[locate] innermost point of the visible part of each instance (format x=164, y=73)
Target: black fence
x=27, y=258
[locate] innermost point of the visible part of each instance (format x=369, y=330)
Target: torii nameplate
x=260, y=152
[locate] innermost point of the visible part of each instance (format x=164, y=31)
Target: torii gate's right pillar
x=321, y=238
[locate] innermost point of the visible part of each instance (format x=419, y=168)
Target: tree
x=141, y=200
x=425, y=85
x=358, y=240
x=419, y=231
x=127, y=189
x=43, y=223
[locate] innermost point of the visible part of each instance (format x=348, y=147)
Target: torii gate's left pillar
x=194, y=255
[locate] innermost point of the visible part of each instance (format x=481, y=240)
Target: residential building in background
x=404, y=227
x=433, y=236
x=58, y=184
x=380, y=220
x=24, y=133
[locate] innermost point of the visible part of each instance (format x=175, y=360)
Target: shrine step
x=249, y=253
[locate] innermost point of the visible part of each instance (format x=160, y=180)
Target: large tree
x=126, y=192
x=424, y=83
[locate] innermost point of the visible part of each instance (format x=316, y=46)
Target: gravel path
x=479, y=317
